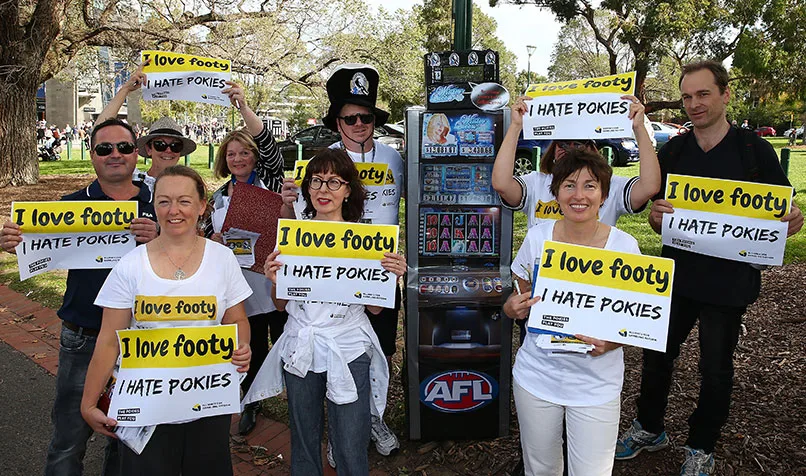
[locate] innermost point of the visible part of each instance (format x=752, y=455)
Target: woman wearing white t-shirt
x=582, y=389
x=328, y=351
x=178, y=263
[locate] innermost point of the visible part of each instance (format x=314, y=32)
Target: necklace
x=589, y=242
x=179, y=274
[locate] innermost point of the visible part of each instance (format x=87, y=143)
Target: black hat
x=353, y=84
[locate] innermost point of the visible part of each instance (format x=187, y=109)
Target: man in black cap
x=353, y=92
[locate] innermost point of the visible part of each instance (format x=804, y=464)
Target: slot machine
x=459, y=247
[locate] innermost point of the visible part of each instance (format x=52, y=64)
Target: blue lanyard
x=250, y=181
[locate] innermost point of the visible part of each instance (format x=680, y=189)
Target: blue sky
x=517, y=27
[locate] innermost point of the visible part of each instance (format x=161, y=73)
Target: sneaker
x=698, y=463
x=385, y=440
x=636, y=439
x=330, y=459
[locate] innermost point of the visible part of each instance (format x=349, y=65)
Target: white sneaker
x=385, y=440
x=330, y=459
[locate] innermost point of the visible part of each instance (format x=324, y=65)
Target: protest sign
x=72, y=235
x=610, y=295
x=175, y=374
x=729, y=219
x=582, y=109
x=178, y=76
x=336, y=262
x=377, y=178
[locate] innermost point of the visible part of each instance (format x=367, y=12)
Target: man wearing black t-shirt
x=714, y=292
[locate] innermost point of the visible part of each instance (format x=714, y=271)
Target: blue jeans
x=719, y=328
x=348, y=425
x=70, y=432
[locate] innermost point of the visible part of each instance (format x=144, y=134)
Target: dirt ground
x=765, y=433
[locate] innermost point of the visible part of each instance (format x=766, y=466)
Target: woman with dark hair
x=248, y=156
x=328, y=350
x=581, y=389
x=177, y=264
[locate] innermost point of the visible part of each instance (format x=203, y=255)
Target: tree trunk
x=19, y=163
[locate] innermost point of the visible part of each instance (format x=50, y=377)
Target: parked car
x=797, y=132
x=663, y=133
x=316, y=138
x=764, y=131
x=623, y=152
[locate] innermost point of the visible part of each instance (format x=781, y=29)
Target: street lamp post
x=529, y=50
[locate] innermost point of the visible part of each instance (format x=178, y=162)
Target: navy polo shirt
x=83, y=285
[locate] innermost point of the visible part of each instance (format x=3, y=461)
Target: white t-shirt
x=140, y=176
x=539, y=204
x=216, y=286
x=324, y=337
x=385, y=206
x=567, y=379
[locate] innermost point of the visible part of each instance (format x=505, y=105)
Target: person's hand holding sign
x=659, y=207
x=144, y=229
x=599, y=346
x=518, y=304
x=636, y=112
x=236, y=94
x=519, y=109
x=290, y=192
x=242, y=356
x=11, y=236
x=794, y=218
x=137, y=79
x=98, y=421
x=271, y=266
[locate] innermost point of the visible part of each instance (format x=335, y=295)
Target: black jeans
x=719, y=332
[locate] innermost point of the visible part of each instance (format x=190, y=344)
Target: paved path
x=29, y=354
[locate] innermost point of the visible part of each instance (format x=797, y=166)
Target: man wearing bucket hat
x=164, y=143
x=353, y=92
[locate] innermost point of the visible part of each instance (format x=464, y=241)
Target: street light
x=529, y=51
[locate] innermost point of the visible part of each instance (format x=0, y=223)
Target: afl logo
x=458, y=391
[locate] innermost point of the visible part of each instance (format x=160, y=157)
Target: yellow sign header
x=371, y=174
x=606, y=268
x=729, y=197
x=177, y=347
x=73, y=217
x=623, y=83
x=329, y=239
x=175, y=308
x=167, y=62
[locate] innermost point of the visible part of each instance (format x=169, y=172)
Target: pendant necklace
x=179, y=274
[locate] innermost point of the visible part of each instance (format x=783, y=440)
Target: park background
x=300, y=41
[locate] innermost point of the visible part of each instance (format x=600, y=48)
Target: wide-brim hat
x=165, y=127
x=353, y=83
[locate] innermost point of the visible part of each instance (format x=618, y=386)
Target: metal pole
x=69, y=149
x=463, y=19
x=535, y=157
x=785, y=160
x=210, y=156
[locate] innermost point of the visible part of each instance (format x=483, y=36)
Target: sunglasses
x=161, y=146
x=105, y=148
x=569, y=146
x=333, y=184
x=365, y=119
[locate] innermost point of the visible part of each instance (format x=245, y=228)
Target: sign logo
x=622, y=332
x=359, y=85
x=458, y=391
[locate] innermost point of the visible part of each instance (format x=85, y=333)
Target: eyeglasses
x=569, y=146
x=333, y=184
x=161, y=146
x=105, y=148
x=365, y=119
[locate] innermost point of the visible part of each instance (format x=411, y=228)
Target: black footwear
x=248, y=418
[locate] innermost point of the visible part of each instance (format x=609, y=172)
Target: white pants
x=592, y=433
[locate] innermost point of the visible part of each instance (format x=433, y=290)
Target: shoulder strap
x=747, y=152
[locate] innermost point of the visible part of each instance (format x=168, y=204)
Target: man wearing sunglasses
x=164, y=143
x=114, y=156
x=353, y=92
